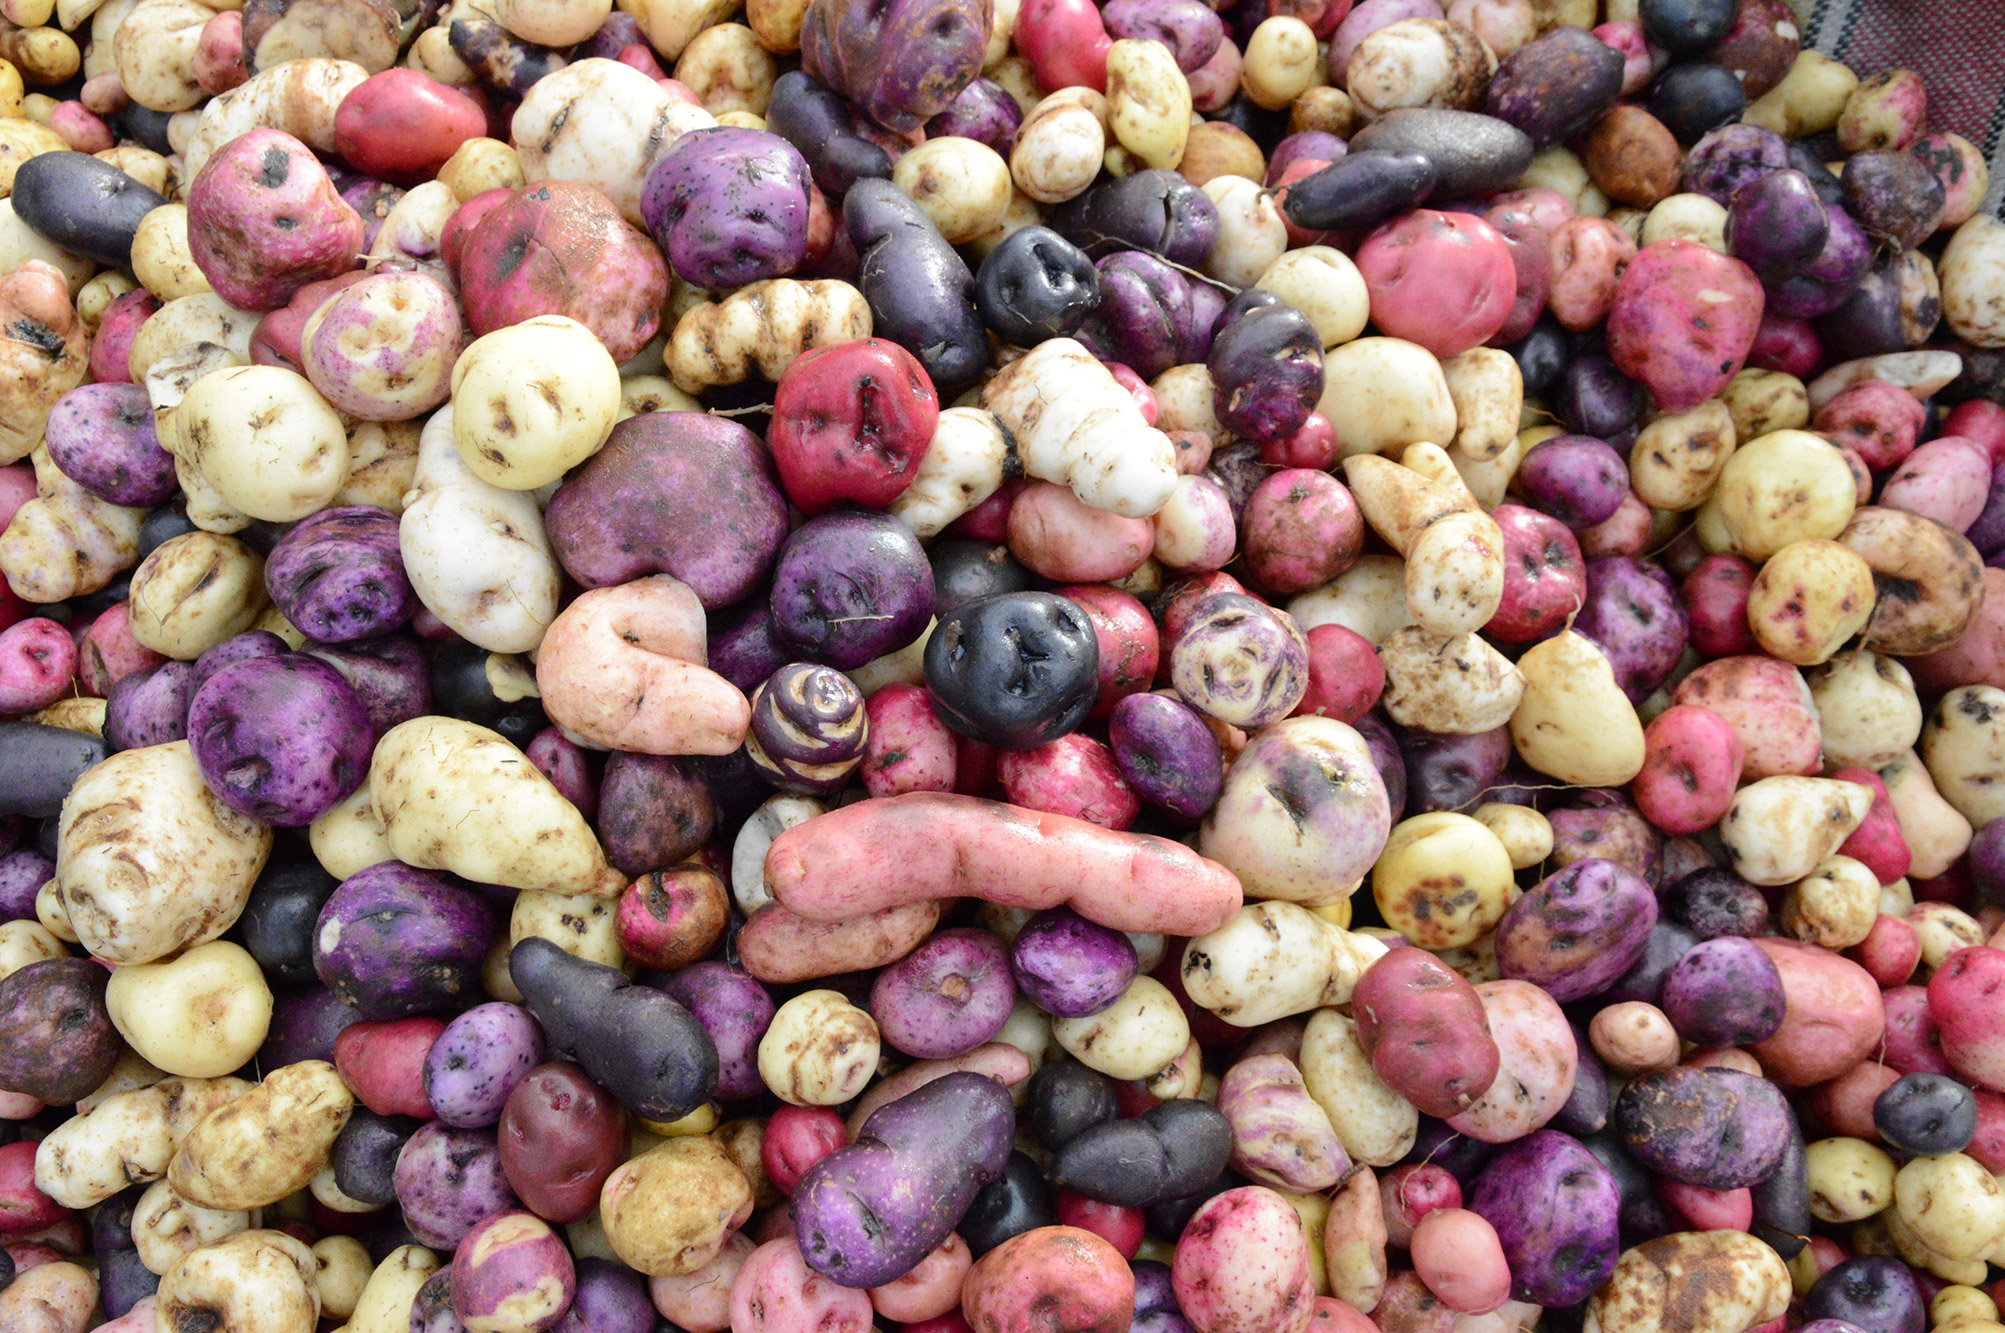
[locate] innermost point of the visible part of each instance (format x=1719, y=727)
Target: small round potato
x=532, y=401
x=1835, y=907
x=962, y=185
x=1443, y=880
x=200, y=1015
x=265, y=439
x=819, y=1050
x=669, y=1211
x=1850, y=1180
x=1059, y=149
x=1809, y=599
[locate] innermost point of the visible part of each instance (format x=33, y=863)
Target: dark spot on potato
x=274, y=167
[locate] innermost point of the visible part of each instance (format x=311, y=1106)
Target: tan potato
x=480, y=165
x=385, y=1304
x=1810, y=598
x=264, y=439
x=961, y=185
x=819, y=1050
x=1935, y=832
x=552, y=22
x=342, y=1272
x=350, y=837
x=1457, y=686
x=1525, y=833
x=1952, y=1205
x=668, y=1211
x=1134, y=1037
x=1786, y=486
x=582, y=925
x=1058, y=149
x=532, y=401
x=1679, y=456
x=1376, y=1125
x=1850, y=1179
x=199, y=1015
x=194, y=591
x=266, y=1144
x=1149, y=100
x=1691, y=1282
x=1574, y=723
x=53, y=1297
x=19, y=244
x=1809, y=99
x=1687, y=217
x=1964, y=748
x=250, y=1282
x=1939, y=572
x=1764, y=401
x=1781, y=829
x=1835, y=906
x=128, y=1138
x=1488, y=392
x=44, y=353
x=763, y=325
x=24, y=943
x=1322, y=283
x=1942, y=930
x=165, y=1226
x=1368, y=599
x=1382, y=394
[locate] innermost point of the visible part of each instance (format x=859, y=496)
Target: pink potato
x=1053, y=1280
x=401, y=125
x=1946, y=479
x=1845, y=1104
x=264, y=220
x=1988, y=1147
x=512, y=1274
x=1537, y=1059
x=1983, y=421
x=111, y=348
x=1545, y=578
x=1409, y=1193
x=776, y=945
x=1912, y=1042
x=910, y=748
x=700, y=1302
x=108, y=653
x=1627, y=531
x=795, y=1139
x=1242, y=1266
x=37, y=660
x=930, y=1290
x=1832, y=1018
x=383, y=349
x=1126, y=637
x=776, y=1292
x=1769, y=707
x=1457, y=1254
x=1334, y=1316
x=1074, y=775
x=1054, y=533
x=1966, y=997
x=1280, y=1135
x=1691, y=767
x=1442, y=280
x=383, y=1064
x=1890, y=951
x=218, y=63
x=1880, y=421
x=1300, y=529
x=1708, y=1210
x=1877, y=843
x=1345, y=675
x=1065, y=42
x=1588, y=257
x=1423, y=1027
x=851, y=422
x=1785, y=344
x=1683, y=320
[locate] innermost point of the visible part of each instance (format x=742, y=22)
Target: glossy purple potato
x=449, y=1181
x=1874, y=1292
x=1577, y=479
x=1451, y=772
x=477, y=1061
x=281, y=739
x=1150, y=316
x=1724, y=992
x=1167, y=753
x=1712, y=903
x=1553, y=88
x=851, y=587
x=23, y=872
x=1729, y=157
x=1071, y=967
x=1987, y=863
x=745, y=648
x=728, y=206
x=57, y=1042
x=245, y=647
x=679, y=493
x=149, y=706
x=610, y=1298
x=389, y=675
x=339, y=575
x=1776, y=223
x=1154, y=210
x=1556, y=1211
x=1634, y=615
x=1596, y=399
x=1894, y=196
x=1577, y=930
x=946, y=997
x=1191, y=30
x=1267, y=372
x=901, y=63
x=735, y=1009
x=394, y=942
x=304, y=1026
x=1715, y=1128
x=1896, y=306
x=986, y=113
x=1824, y=283
x=101, y=437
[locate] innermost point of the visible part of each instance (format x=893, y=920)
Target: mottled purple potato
x=512, y=1272
x=1715, y=1128
x=1556, y=1212
x=101, y=437
x=1154, y=210
x=384, y=349
x=679, y=493
x=1071, y=967
x=1731, y=156
x=23, y=872
x=1610, y=830
x=339, y=575
x=900, y=63
x=653, y=812
x=560, y=248
x=264, y=220
x=304, y=1027
x=1150, y=317
x=1712, y=903
x=432, y=1307
x=1577, y=479
x=986, y=113
x=1166, y=753
x=149, y=706
x=449, y=1181
x=1824, y=283
x=729, y=206
x=245, y=647
x=1451, y=772
x=477, y=1061
x=946, y=997
x=281, y=739
x=56, y=1038
x=1267, y=372
x=1894, y=196
x=1896, y=306
x=1280, y=1136
x=389, y=675
x=394, y=942
x=1554, y=87
x=1192, y=31
x=1777, y=223
x=1578, y=930
x=1634, y=615
x=851, y=587
x=1724, y=992
x=610, y=1298
x=735, y=1010
x=866, y=1215
x=1240, y=661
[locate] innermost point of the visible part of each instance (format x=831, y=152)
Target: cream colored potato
x=1678, y=457
x=1688, y=217
x=1781, y=829
x=551, y=22
x=1443, y=880
x=1809, y=598
x=1489, y=480
x=18, y=245
x=1850, y=1179
x=1942, y=930
x=1526, y=835
x=1957, y=1305
x=1368, y=599
x=1149, y=101
x=1375, y=1124
x=820, y=1050
x=1075, y=426
x=1936, y=834
x=1382, y=394
x=778, y=25
x=749, y=886
x=600, y=123
x=51, y=915
x=1273, y=960
x=1400, y=501
x=1300, y=816
x=166, y=1226
x=1575, y=723
x=582, y=925
x=1134, y=1037
x=382, y=462
x=53, y=1297
x=1809, y=99
x=455, y=796
x=1281, y=63
x=1762, y=402
x=200, y=1015
x=77, y=713
x=1691, y=1282
x=1952, y=1205
x=1488, y=392
x=1058, y=149
x=480, y=165
x=194, y=591
x=1834, y=907
x=1964, y=748
x=342, y=1271
x=1788, y=485
x=161, y=258
x=1454, y=574
x=66, y=542
x=1322, y=283
x=962, y=467
x=95, y=297
x=126, y=1139
x=250, y=1282
x=532, y=401
x=1902, y=1242
x=264, y=439
x=1457, y=686
x=1973, y=282
x=350, y=837
x=385, y=1304
x=298, y=96
x=1559, y=169
x=671, y=24
x=265, y=1145
x=24, y=943
x=184, y=340
x=765, y=326
x=961, y=185
x=1938, y=571
x=1867, y=709
x=1251, y=234
x=155, y=53
x=324, y=1188
x=668, y=1211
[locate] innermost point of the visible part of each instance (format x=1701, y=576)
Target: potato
x=350, y=837
x=298, y=96
x=66, y=541
x=1935, y=833
x=250, y=1282
x=1867, y=709
x=54, y=1296
x=819, y=1050
x=1786, y=486
x=765, y=325
x=1691, y=1282
x=44, y=353
x=1938, y=569
x=199, y=1015
x=1833, y=907
x=264, y=439
x=1303, y=813
x=1272, y=960
x=1059, y=148
x=1375, y=1124
x=1459, y=686
x=1134, y=1037
x=1488, y=390
x=1443, y=880
x=1382, y=394
x=1850, y=1179
x=669, y=1211
x=532, y=401
x=1537, y=1058
x=1964, y=748
x=1323, y=283
x=1575, y=723
x=266, y=1144
x=1952, y=1205
x=1810, y=598
x=1242, y=1265
x=1782, y=828
x=1678, y=457
x=166, y=1226
x=343, y=1272
x=1149, y=100
x=962, y=185
x=1369, y=599
x=194, y=591
x=385, y=1304
x=127, y=1138
x=1354, y=1239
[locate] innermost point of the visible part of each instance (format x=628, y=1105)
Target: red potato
x=23, y=1207
x=1345, y=675
x=1242, y=1265
x=1334, y=1316
x=108, y=652
x=928, y=846
x=1050, y=1280
x=1075, y=776
x=909, y=748
x=1545, y=578
x=218, y=63
x=1442, y=280
x=1691, y=767
x=1129, y=652
x=1890, y=951
x=1423, y=1027
x=1980, y=420
x=1833, y=1017
x=1409, y=1193
x=779, y=946
x=1457, y=1254
x=851, y=422
x=1769, y=707
x=1301, y=529
x=795, y=1139
x=1878, y=421
x=1845, y=1104
x=776, y=1292
x=1708, y=1210
x=1877, y=843
x=1588, y=257
x=401, y=125
x=1715, y=595
x=930, y=1290
x=1966, y=997
x=383, y=1064
x=37, y=659
x=671, y=918
x=1682, y=321
x=1627, y=531
x=1065, y=42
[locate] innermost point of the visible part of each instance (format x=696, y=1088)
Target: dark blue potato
x=43, y=763
x=635, y=1042
x=735, y=1009
x=728, y=206
x=123, y=1280
x=920, y=292
x=1926, y=1114
x=1715, y=1128
x=364, y=1158
x=1446, y=772
x=1896, y=306
x=1192, y=31
x=1731, y=156
x=965, y=571
x=1826, y=282
x=653, y=812
x=1578, y=930
x=1167, y=753
x=1154, y=210
x=1557, y=1213
x=1471, y=154
x=1782, y=1201
x=56, y=1039
x=1594, y=398
x=149, y=706
x=1874, y=1292
x=1149, y=316
x=1035, y=285
x=1553, y=88
x=1016, y=671
x=1716, y=903
x=339, y=575
x=1667, y=943
x=1173, y=1150
x=394, y=941
x=901, y=62
x=1724, y=992
x=1362, y=189
x=305, y=1024
x=808, y=729
x=162, y=524
x=1634, y=615
x=1014, y=1202
x=389, y=675
x=1893, y=196
x=815, y=120
x=867, y=1214
x=1541, y=356
x=1064, y=1100
x=101, y=437
x=495, y=690
x=77, y=203
x=851, y=587
x=1777, y=223
x=143, y=125
x=984, y=112
x=245, y=647
x=280, y=739
x=1071, y=967
x=448, y=1181
x=277, y=925
x=1696, y=97
x=1685, y=26
x=1267, y=372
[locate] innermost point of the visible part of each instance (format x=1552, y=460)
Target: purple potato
x=1724, y=992
x=1385, y=757
x=42, y=764
x=1451, y=772
x=1595, y=399
x=1715, y=1128
x=1987, y=531
x=432, y=1308
x=1634, y=615
x=653, y=812
x=1579, y=480
x=808, y=729
x=1360, y=190
x=449, y=1181
x=1666, y=943
x=1238, y=468
x=570, y=767
x=149, y=706
x=1154, y=210
x=56, y=1039
x=1874, y=1292
x=986, y=113
x=1192, y=31
x=1071, y=967
x=1987, y=863
x=477, y=1061
x=1587, y=1106
x=1894, y=196
x=816, y=121
x=1267, y=372
x=1531, y=260
x=1824, y=283
x=1167, y=753
x=1150, y=317
x=1578, y=930
x=304, y=1026
x=1895, y=307
x=902, y=62
x=339, y=575
x=1555, y=87
x=1729, y=157
x=946, y=997
x=281, y=739
x=610, y=1298
x=920, y=291
x=101, y=437
x=245, y=647
x=1469, y=154
x=729, y=206
x=394, y=941
x=389, y=675
x=616, y=32
x=1240, y=661
x=1156, y=1308
x=735, y=1009
x=851, y=587
x=23, y=872
x=746, y=648
x=372, y=201
x=1556, y=1211
x=1776, y=223
x=1712, y=903
x=1613, y=832
x=1308, y=145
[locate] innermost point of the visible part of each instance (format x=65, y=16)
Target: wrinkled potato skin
x=129, y=1137
x=1691, y=1282
x=262, y=1280
x=265, y=1145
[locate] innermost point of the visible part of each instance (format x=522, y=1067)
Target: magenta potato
x=1151, y=317
x=560, y=1136
x=1071, y=967
x=1824, y=282
x=852, y=422
x=1424, y=1029
x=1683, y=321
x=1192, y=31
x=339, y=575
x=512, y=1271
x=282, y=739
x=1577, y=479
x=1545, y=579
x=1578, y=930
x=1729, y=157
x=389, y=675
x=901, y=62
x=264, y=220
x=57, y=1043
x=729, y=206
x=986, y=113
x=101, y=437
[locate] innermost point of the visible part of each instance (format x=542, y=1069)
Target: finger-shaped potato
x=1375, y=1124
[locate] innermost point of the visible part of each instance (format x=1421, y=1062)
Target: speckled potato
x=264, y=439
x=819, y=1050
x=1786, y=486
x=1242, y=1265
x=383, y=349
x=1810, y=597
x=1537, y=1058
x=669, y=1211
x=264, y=220
x=1443, y=880
x=1303, y=813
x=266, y=1144
x=1693, y=1282
x=1964, y=748
x=1936, y=567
